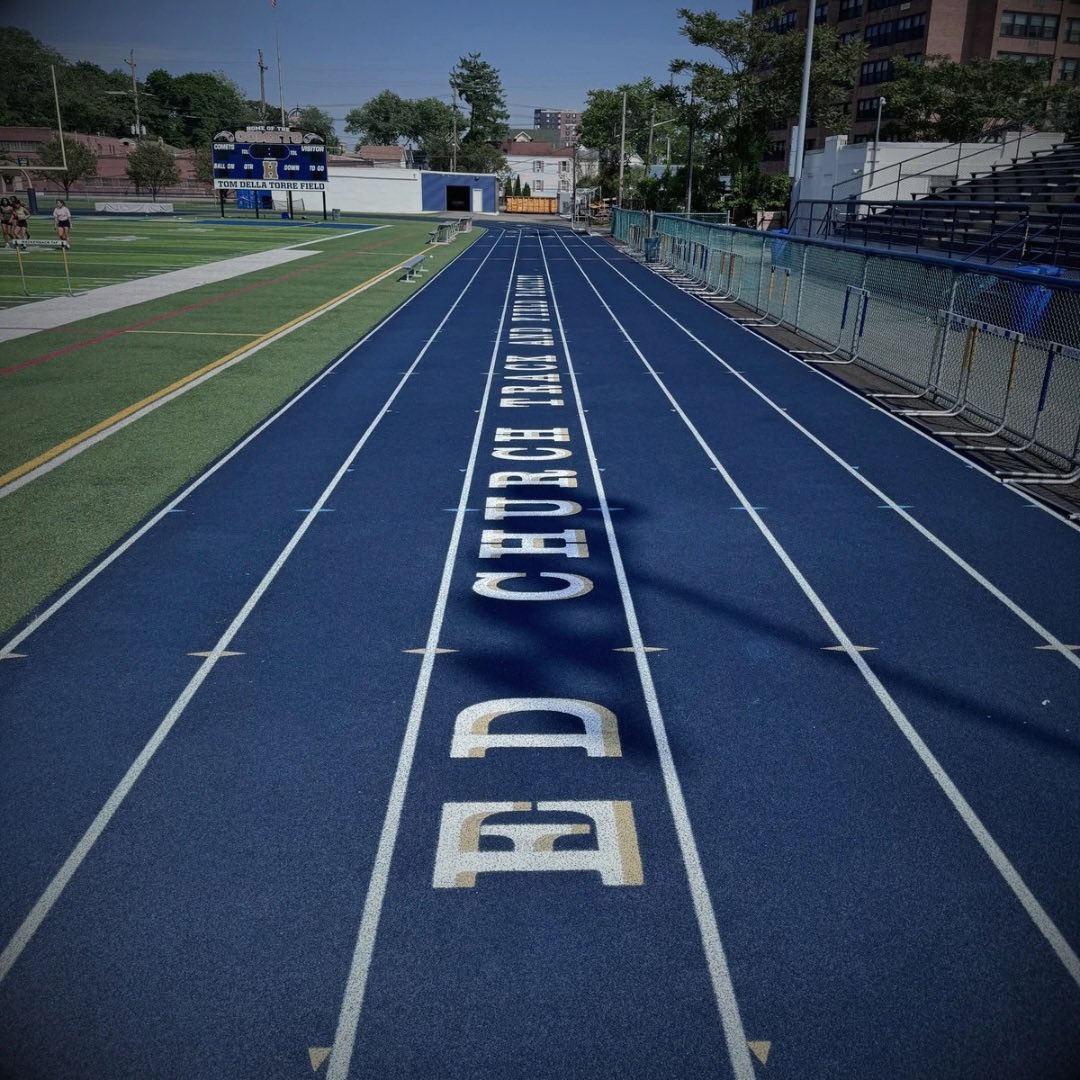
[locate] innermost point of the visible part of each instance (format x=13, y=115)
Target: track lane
x=746, y=436
x=227, y=896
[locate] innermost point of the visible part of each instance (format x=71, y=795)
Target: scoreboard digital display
x=269, y=159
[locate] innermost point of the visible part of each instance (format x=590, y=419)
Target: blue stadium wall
x=434, y=185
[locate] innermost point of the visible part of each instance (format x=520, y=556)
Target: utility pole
x=135, y=91
x=573, y=182
x=262, y=87
x=280, y=83
x=690, y=157
x=652, y=124
x=453, y=143
x=804, y=99
x=622, y=147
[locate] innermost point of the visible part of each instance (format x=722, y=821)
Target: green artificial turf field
x=55, y=385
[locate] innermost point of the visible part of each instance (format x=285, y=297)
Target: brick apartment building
x=20, y=146
x=1027, y=31
x=565, y=122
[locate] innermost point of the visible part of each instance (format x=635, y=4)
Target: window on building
x=1072, y=31
x=910, y=28
x=877, y=5
x=1023, y=57
x=776, y=150
x=1070, y=70
x=761, y=5
x=564, y=166
x=821, y=13
x=1028, y=24
x=850, y=36
x=866, y=108
x=538, y=166
x=537, y=185
x=875, y=71
x=782, y=23
x=850, y=9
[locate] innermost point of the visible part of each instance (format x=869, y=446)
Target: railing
x=997, y=349
x=929, y=170
x=949, y=227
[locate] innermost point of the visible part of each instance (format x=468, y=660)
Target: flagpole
x=277, y=44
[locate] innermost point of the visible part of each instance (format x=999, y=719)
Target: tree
x=204, y=165
x=26, y=95
x=430, y=130
x=756, y=89
x=517, y=185
x=480, y=88
x=188, y=110
x=81, y=162
x=526, y=191
x=1063, y=112
x=152, y=166
x=382, y=121
x=508, y=188
x=96, y=101
x=321, y=123
x=601, y=122
x=942, y=100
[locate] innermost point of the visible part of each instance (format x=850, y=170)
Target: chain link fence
x=992, y=353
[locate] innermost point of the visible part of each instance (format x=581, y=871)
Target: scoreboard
x=269, y=159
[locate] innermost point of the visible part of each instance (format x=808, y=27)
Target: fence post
x=802, y=278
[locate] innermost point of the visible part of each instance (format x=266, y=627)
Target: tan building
x=1023, y=30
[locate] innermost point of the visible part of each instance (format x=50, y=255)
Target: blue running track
x=567, y=685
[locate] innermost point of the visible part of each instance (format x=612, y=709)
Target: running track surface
x=312, y=778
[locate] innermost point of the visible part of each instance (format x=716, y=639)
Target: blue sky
x=338, y=54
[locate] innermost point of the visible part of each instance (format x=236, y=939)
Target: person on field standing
x=21, y=219
x=7, y=220
x=62, y=220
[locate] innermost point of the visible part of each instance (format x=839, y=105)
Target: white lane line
x=352, y=1001
x=171, y=506
x=23, y=935
x=339, y=236
x=944, y=548
x=1039, y=917
x=723, y=989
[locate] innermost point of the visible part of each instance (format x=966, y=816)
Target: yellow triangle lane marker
x=843, y=648
x=317, y=1055
x=224, y=652
x=420, y=652
x=1055, y=648
x=644, y=648
x=760, y=1050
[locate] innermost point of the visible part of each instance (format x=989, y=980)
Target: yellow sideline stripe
x=123, y=414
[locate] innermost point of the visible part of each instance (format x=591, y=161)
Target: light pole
x=881, y=103
x=622, y=147
x=804, y=100
x=659, y=123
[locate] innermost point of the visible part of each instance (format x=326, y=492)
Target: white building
x=546, y=170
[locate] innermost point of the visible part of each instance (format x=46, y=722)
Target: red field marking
x=34, y=361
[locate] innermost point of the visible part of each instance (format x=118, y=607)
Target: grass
x=56, y=525
x=106, y=251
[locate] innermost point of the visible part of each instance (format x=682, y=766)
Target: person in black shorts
x=62, y=220
x=7, y=220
